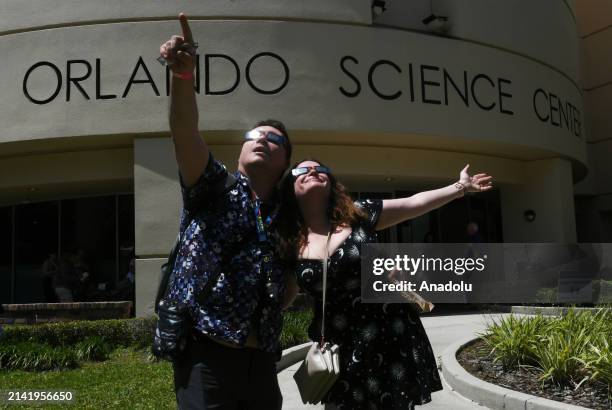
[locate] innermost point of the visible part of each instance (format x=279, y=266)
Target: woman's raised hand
x=476, y=183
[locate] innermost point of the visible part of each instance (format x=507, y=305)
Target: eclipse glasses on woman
x=320, y=169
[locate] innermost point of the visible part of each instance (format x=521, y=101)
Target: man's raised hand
x=179, y=52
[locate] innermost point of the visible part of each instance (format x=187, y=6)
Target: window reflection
x=88, y=247
x=6, y=245
x=36, y=236
x=69, y=250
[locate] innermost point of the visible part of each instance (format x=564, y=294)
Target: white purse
x=321, y=367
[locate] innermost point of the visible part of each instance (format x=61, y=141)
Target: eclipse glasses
x=320, y=169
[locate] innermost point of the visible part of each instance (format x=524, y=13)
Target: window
x=6, y=260
x=68, y=250
x=36, y=240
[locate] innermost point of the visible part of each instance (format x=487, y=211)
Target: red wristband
x=184, y=76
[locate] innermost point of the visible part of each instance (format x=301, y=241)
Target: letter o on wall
x=285, y=69
x=58, y=74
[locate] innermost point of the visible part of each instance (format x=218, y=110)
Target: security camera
x=438, y=24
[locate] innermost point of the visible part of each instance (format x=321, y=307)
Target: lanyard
x=260, y=224
x=267, y=267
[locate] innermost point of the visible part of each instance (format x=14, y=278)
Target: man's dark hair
x=281, y=127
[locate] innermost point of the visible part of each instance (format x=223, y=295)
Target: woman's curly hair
x=293, y=231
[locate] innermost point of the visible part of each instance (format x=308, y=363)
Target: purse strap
x=325, y=287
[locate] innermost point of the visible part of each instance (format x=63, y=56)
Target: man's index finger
x=186, y=30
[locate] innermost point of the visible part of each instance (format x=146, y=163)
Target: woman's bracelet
x=460, y=187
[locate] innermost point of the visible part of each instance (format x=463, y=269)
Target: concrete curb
x=487, y=394
x=292, y=355
x=549, y=310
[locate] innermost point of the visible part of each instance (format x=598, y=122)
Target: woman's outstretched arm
x=401, y=209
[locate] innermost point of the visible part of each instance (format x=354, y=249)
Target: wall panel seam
x=599, y=30
x=600, y=140
x=86, y=23
x=571, y=11
x=602, y=85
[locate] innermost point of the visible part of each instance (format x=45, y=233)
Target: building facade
x=395, y=96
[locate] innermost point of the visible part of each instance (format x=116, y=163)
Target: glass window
x=494, y=217
x=126, y=233
x=36, y=240
x=126, y=281
x=69, y=250
x=419, y=229
x=6, y=248
x=454, y=221
x=88, y=246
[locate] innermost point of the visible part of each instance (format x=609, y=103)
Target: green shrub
x=295, y=328
x=36, y=357
x=558, y=353
x=117, y=332
x=570, y=349
x=513, y=339
x=137, y=332
x=62, y=345
x=93, y=348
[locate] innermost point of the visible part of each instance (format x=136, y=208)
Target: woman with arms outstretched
x=386, y=359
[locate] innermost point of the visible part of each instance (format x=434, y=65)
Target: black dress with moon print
x=386, y=360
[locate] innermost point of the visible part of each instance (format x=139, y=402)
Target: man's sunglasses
x=270, y=136
x=320, y=169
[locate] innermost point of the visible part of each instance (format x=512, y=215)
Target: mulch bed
x=476, y=361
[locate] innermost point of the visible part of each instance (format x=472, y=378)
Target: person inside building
x=50, y=270
x=472, y=233
x=228, y=276
x=386, y=360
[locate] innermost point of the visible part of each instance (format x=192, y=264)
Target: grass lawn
x=126, y=381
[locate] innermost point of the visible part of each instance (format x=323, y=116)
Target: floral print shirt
x=219, y=239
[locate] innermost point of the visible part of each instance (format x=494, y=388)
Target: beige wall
x=595, y=28
x=544, y=30
x=148, y=275
x=312, y=98
x=547, y=189
x=18, y=15
x=65, y=174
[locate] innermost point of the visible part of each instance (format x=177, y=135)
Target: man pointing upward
x=227, y=277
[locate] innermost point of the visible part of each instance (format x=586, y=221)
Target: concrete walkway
x=442, y=331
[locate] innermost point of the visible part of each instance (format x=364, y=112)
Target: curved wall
x=543, y=30
x=103, y=79
x=18, y=15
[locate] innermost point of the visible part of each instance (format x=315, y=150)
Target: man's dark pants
x=211, y=376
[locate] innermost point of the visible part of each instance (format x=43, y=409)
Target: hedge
x=116, y=332
x=62, y=345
